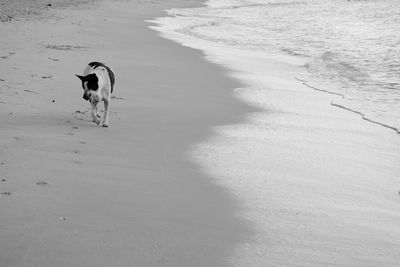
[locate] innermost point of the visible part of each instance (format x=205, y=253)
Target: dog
x=98, y=85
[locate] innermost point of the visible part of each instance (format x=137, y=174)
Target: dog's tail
x=112, y=77
x=110, y=72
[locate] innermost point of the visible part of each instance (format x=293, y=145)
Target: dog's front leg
x=106, y=111
x=93, y=112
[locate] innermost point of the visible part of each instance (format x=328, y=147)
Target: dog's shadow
x=117, y=97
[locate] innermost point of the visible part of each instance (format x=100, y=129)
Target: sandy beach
x=76, y=194
x=213, y=157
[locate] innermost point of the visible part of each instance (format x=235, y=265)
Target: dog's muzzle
x=86, y=97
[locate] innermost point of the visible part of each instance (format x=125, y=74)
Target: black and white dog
x=98, y=84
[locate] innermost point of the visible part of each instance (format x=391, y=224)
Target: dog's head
x=89, y=84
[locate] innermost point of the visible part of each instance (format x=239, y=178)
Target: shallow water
x=351, y=48
x=316, y=182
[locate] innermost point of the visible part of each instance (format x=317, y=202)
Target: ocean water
x=317, y=183
x=348, y=47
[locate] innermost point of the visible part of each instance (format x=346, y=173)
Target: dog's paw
x=105, y=125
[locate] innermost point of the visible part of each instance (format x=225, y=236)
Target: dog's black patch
x=91, y=79
x=92, y=82
x=96, y=64
x=110, y=72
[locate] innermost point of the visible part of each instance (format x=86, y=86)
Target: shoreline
x=317, y=182
x=79, y=194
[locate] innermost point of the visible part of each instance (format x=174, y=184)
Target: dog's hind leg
x=93, y=112
x=106, y=112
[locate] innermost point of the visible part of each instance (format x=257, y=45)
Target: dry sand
x=24, y=9
x=76, y=194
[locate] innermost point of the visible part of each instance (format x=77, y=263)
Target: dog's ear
x=82, y=78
